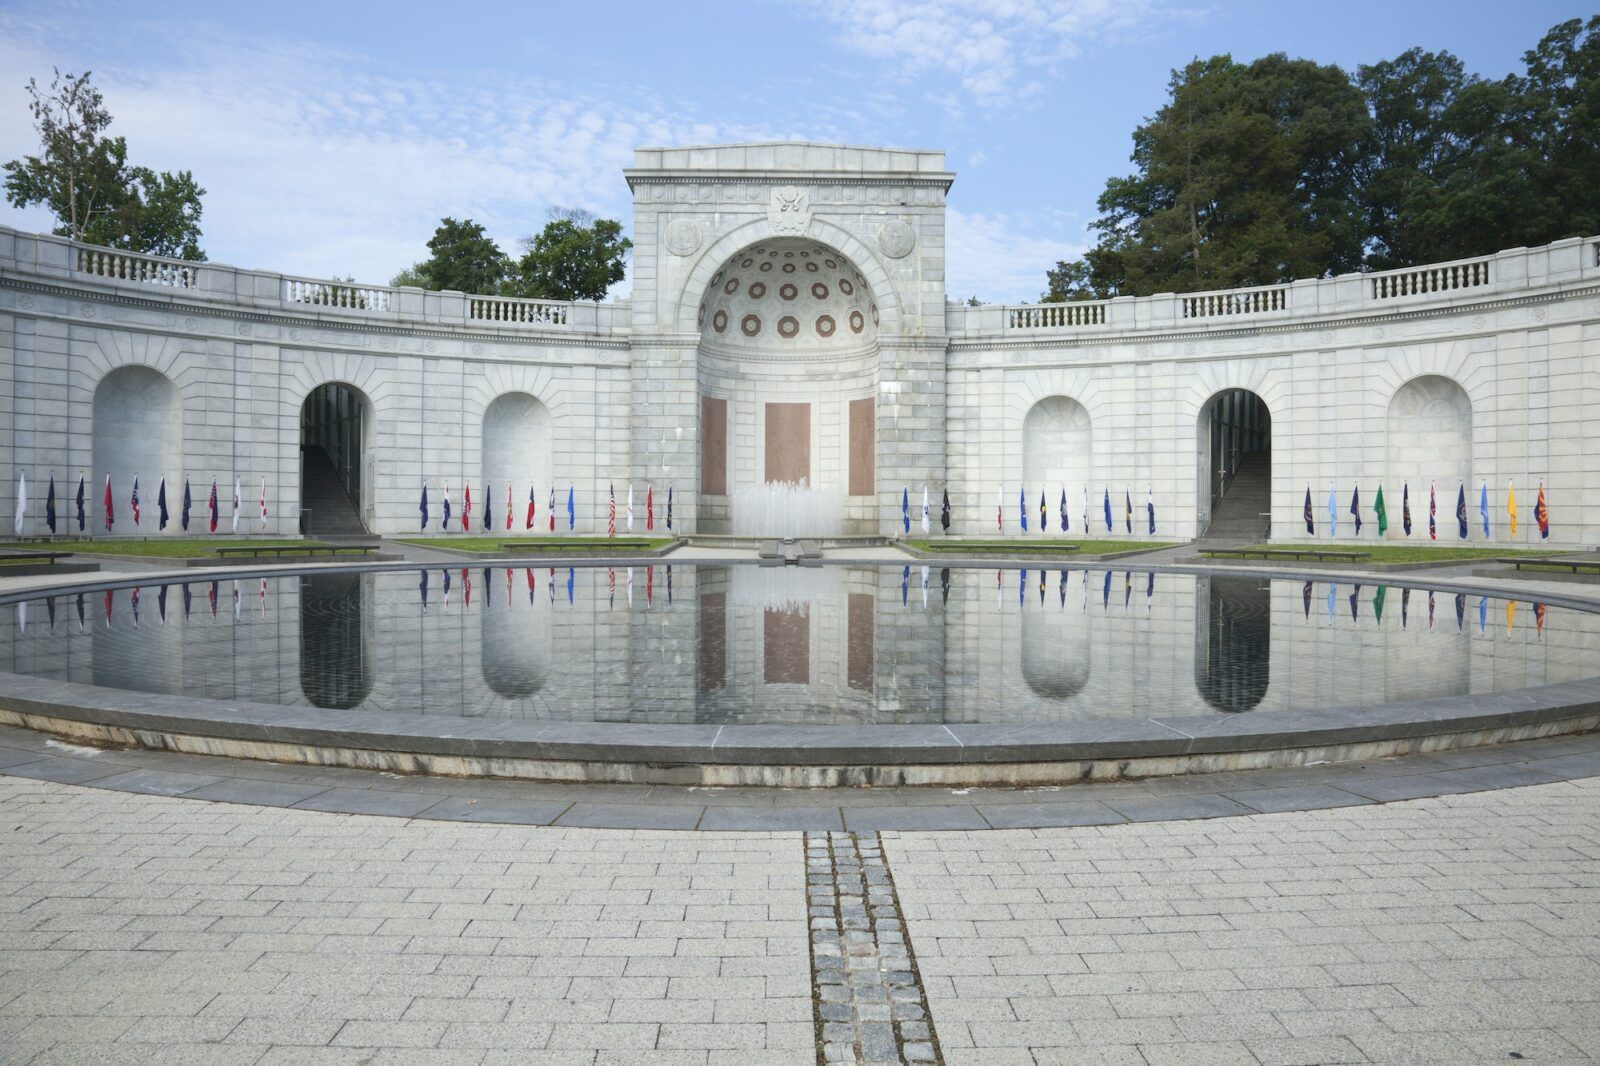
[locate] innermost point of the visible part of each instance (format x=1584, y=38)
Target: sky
x=332, y=137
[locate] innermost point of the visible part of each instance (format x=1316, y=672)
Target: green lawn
x=159, y=547
x=1005, y=546
x=543, y=544
x=1411, y=553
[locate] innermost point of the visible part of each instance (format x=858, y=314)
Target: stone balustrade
x=1515, y=270
x=525, y=312
x=128, y=266
x=345, y=295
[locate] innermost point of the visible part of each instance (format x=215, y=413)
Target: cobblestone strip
x=869, y=1004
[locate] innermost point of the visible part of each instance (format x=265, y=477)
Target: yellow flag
x=1511, y=615
x=1511, y=506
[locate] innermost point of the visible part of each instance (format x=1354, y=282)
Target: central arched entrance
x=1235, y=450
x=788, y=379
x=335, y=434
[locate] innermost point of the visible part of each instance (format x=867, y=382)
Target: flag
x=1433, y=511
x=1022, y=507
x=263, y=502
x=1461, y=509
x=905, y=509
x=551, y=510
x=211, y=598
x=161, y=503
x=1355, y=604
x=444, y=522
x=466, y=508
x=649, y=523
x=1405, y=606
x=1381, y=511
x=669, y=526
x=1541, y=514
x=1064, y=522
x=1377, y=603
x=22, y=504
x=1107, y=503
x=571, y=513
x=1086, y=520
x=1461, y=611
x=1105, y=591
x=1333, y=599
x=1311, y=521
x=236, y=492
x=1044, y=514
x=1483, y=508
x=944, y=512
x=925, y=526
x=1511, y=615
x=133, y=602
x=188, y=505
x=133, y=501
x=508, y=506
x=50, y=505
x=1511, y=506
x=81, y=518
x=1305, y=598
x=1483, y=613
x=1333, y=511
x=611, y=513
x=1127, y=510
x=488, y=506
x=1405, y=507
x=422, y=580
x=569, y=585
x=1355, y=507
x=110, y=516
x=422, y=505
x=630, y=507
x=212, y=505
x=528, y=522
x=1150, y=507
x=999, y=511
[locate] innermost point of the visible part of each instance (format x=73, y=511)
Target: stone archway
x=138, y=427
x=336, y=433
x=1234, y=446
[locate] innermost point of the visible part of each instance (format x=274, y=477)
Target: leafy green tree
x=84, y=178
x=576, y=257
x=412, y=276
x=1070, y=280
x=1559, y=102
x=1246, y=176
x=464, y=259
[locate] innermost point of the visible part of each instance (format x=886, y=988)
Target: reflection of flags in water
x=669, y=584
x=1022, y=588
x=235, y=603
x=905, y=584
x=188, y=600
x=1333, y=597
x=211, y=598
x=649, y=586
x=1430, y=608
x=1461, y=611
x=1149, y=590
x=1377, y=603
x=446, y=584
x=1483, y=614
x=630, y=586
x=466, y=588
x=1538, y=618
x=1405, y=607
x=133, y=602
x=22, y=617
x=997, y=600
x=50, y=611
x=924, y=587
x=1305, y=593
x=1105, y=592
x=422, y=590
x=1511, y=616
x=263, y=597
x=1127, y=588
x=161, y=603
x=108, y=604
x=1061, y=588
x=570, y=579
x=81, y=623
x=1355, y=603
x=611, y=586
x=944, y=584
x=1043, y=579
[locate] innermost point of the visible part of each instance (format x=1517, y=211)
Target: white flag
x=630, y=509
x=924, y=514
x=22, y=503
x=236, y=522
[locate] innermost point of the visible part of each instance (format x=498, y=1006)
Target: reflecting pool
x=833, y=645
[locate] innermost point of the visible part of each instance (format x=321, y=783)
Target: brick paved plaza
x=147, y=929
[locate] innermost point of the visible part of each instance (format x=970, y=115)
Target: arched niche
x=336, y=460
x=1055, y=654
x=516, y=451
x=1429, y=438
x=514, y=648
x=138, y=429
x=1057, y=448
x=1234, y=449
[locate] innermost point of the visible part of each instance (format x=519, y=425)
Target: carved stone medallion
x=682, y=237
x=897, y=238
x=790, y=211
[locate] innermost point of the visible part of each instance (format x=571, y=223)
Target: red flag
x=529, y=523
x=134, y=501
x=508, y=506
x=466, y=523
x=466, y=587
x=649, y=507
x=1541, y=515
x=109, y=517
x=213, y=505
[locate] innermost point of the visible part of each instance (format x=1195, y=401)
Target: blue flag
x=1108, y=523
x=1127, y=509
x=161, y=502
x=1333, y=512
x=569, y=584
x=80, y=504
x=1461, y=509
x=423, y=507
x=1064, y=522
x=422, y=582
x=1150, y=508
x=1022, y=507
x=1311, y=521
x=669, y=508
x=488, y=508
x=905, y=509
x=572, y=517
x=1355, y=507
x=50, y=505
x=188, y=504
x=1483, y=508
x=444, y=522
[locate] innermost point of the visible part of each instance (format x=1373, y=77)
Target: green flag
x=1383, y=515
x=1377, y=601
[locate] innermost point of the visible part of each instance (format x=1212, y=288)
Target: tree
x=577, y=257
x=1070, y=281
x=84, y=178
x=1559, y=106
x=1247, y=176
x=412, y=276
x=464, y=259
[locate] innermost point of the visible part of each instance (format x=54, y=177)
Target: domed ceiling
x=788, y=294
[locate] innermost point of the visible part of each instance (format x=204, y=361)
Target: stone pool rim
x=793, y=755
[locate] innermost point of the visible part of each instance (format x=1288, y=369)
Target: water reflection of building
x=1233, y=641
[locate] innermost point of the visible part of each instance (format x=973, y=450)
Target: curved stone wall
x=1482, y=371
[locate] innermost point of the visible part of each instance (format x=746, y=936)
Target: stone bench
x=1317, y=554
x=293, y=549
x=1571, y=566
x=33, y=557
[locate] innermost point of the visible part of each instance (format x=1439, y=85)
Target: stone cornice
x=636, y=179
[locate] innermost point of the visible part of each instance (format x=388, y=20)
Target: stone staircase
x=329, y=510
x=1241, y=513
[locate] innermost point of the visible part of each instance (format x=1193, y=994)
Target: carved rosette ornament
x=897, y=238
x=790, y=211
x=682, y=237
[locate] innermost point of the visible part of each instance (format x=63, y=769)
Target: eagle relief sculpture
x=790, y=211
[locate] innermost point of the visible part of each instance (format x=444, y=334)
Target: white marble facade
x=1485, y=370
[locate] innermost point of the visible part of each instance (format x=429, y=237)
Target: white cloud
x=1000, y=258
x=997, y=50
